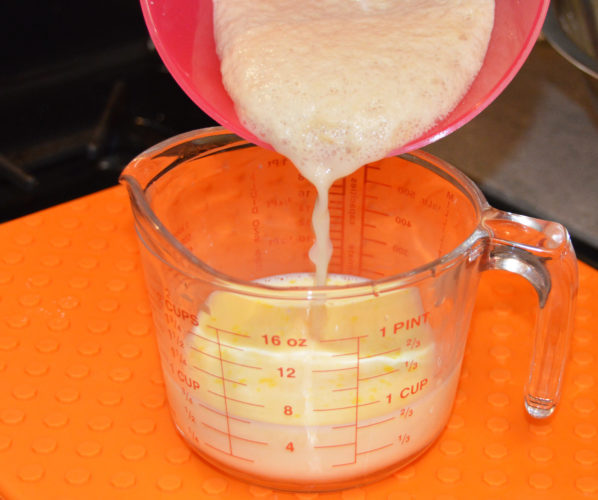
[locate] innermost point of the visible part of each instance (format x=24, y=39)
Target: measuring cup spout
x=149, y=229
x=145, y=178
x=138, y=177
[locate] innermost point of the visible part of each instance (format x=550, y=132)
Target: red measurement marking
x=230, y=443
x=223, y=415
x=335, y=445
x=365, y=176
x=344, y=354
x=368, y=404
x=344, y=338
x=226, y=360
x=227, y=398
x=343, y=465
x=375, y=449
x=371, y=271
x=219, y=377
x=335, y=369
x=234, y=436
x=357, y=400
x=345, y=389
x=380, y=353
x=372, y=226
x=336, y=409
x=230, y=332
x=406, y=412
x=376, y=423
x=404, y=438
x=377, y=183
x=413, y=343
x=379, y=375
x=372, y=240
x=377, y=212
x=220, y=344
x=227, y=453
x=344, y=426
x=411, y=365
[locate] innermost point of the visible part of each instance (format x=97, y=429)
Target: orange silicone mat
x=83, y=413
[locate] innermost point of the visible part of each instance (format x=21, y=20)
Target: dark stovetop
x=82, y=92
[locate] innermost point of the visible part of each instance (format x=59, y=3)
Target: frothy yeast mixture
x=335, y=84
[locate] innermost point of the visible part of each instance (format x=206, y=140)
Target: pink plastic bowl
x=182, y=32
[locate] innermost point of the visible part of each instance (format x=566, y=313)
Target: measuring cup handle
x=542, y=253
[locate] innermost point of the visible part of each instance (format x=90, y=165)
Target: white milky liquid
x=260, y=394
x=313, y=454
x=335, y=84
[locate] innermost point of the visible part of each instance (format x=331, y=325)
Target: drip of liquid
x=321, y=252
x=336, y=84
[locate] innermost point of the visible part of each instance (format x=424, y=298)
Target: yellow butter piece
x=339, y=361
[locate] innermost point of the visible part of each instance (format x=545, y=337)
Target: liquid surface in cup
x=336, y=84
x=261, y=391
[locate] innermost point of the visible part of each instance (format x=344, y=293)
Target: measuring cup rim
x=225, y=281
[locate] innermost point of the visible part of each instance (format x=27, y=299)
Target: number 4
x=290, y=446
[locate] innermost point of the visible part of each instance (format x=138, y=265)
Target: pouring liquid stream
x=348, y=82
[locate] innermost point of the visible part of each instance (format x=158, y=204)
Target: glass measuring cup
x=182, y=33
x=305, y=388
